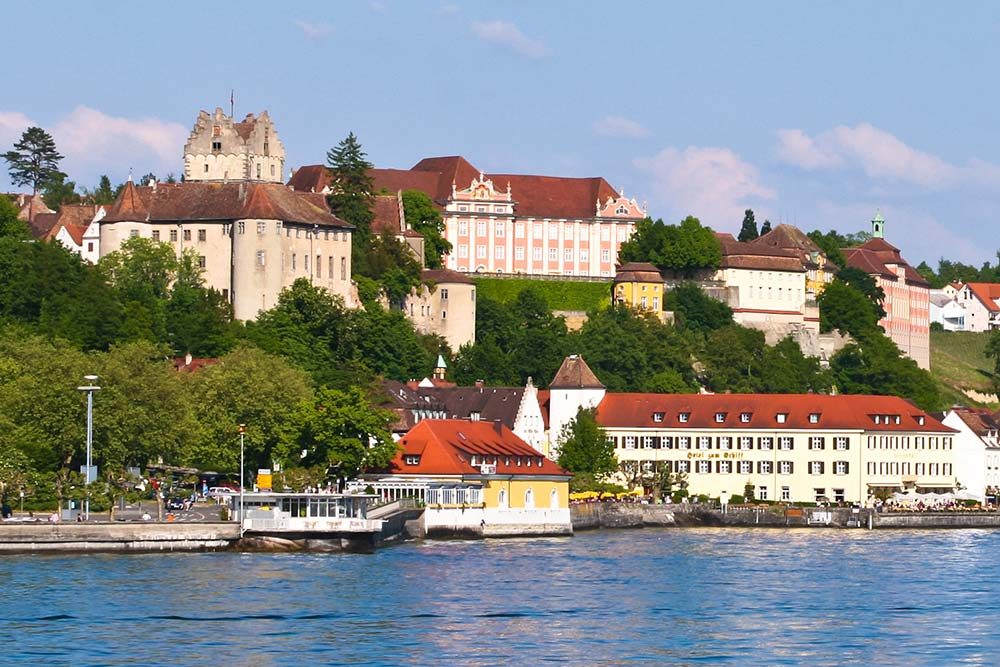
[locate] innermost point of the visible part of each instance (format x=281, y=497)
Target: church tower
x=878, y=225
x=220, y=149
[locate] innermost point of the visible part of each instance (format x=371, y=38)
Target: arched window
x=529, y=499
x=502, y=498
x=554, y=499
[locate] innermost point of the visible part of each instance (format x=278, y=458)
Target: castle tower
x=575, y=386
x=220, y=149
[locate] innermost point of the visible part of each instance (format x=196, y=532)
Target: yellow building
x=639, y=285
x=478, y=478
x=819, y=270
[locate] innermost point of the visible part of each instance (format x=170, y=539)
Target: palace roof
x=842, y=412
x=198, y=200
x=446, y=447
x=876, y=256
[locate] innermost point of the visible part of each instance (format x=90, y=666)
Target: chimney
x=498, y=426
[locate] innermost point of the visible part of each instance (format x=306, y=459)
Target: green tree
x=733, y=359
x=865, y=284
x=424, y=217
x=874, y=365
x=748, y=232
x=585, y=447
x=390, y=263
x=58, y=191
x=765, y=228
x=351, y=196
x=34, y=160
x=993, y=352
x=695, y=310
x=682, y=249
x=785, y=370
x=342, y=431
x=846, y=309
x=104, y=193
x=141, y=272
x=10, y=225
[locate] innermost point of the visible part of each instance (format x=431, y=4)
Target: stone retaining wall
x=45, y=537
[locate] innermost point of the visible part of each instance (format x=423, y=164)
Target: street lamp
x=90, y=389
x=243, y=430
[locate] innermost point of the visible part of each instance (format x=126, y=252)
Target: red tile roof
x=74, y=218
x=981, y=422
x=534, y=196
x=876, y=257
x=756, y=256
x=835, y=412
x=437, y=276
x=638, y=272
x=168, y=202
x=446, y=447
x=987, y=293
x=388, y=216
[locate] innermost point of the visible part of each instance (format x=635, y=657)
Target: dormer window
x=814, y=418
x=920, y=420
x=621, y=210
x=474, y=416
x=897, y=420
x=782, y=417
x=877, y=419
x=412, y=459
x=658, y=417
x=720, y=417
x=683, y=417
x=745, y=417
x=472, y=461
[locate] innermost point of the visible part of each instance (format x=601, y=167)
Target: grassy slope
x=958, y=361
x=560, y=294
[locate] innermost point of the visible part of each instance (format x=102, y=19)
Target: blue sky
x=811, y=113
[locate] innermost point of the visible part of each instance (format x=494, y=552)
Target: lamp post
x=90, y=389
x=243, y=430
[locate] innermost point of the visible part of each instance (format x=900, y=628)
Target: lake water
x=663, y=596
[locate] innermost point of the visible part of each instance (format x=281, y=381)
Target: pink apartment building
x=907, y=293
x=513, y=223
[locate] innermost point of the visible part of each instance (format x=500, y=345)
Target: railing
x=393, y=507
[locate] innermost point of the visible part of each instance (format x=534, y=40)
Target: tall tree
x=765, y=228
x=34, y=160
x=351, y=195
x=104, y=193
x=748, y=232
x=682, y=249
x=694, y=310
x=58, y=191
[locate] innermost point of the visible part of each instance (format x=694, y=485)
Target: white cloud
x=312, y=30
x=12, y=126
x=713, y=184
x=619, y=126
x=509, y=36
x=880, y=154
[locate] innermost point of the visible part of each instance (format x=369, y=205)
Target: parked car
x=175, y=504
x=220, y=492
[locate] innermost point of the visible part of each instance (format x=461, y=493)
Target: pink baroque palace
x=513, y=223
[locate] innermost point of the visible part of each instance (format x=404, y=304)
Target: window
x=746, y=467
x=766, y=443
x=746, y=442
x=536, y=254
x=838, y=496
x=293, y=261
x=629, y=442
x=840, y=467
x=201, y=261
x=519, y=252
x=306, y=263
x=725, y=442
x=173, y=235
x=782, y=417
x=761, y=493
x=841, y=443
x=814, y=418
x=133, y=233
x=605, y=255
x=187, y=234
x=481, y=228
x=444, y=294
x=820, y=495
x=786, y=493
x=657, y=417
x=553, y=232
x=481, y=209
x=499, y=231
x=206, y=168
x=720, y=417
x=319, y=266
x=518, y=230
x=745, y=417
x=704, y=466
x=498, y=252
x=647, y=442
x=605, y=233
x=704, y=442
x=786, y=467
x=725, y=467
x=90, y=246
x=241, y=227
x=683, y=466
x=343, y=268
x=621, y=210
x=683, y=442
x=785, y=443
x=261, y=258
x=463, y=208
x=529, y=499
x=480, y=252
x=683, y=417
x=463, y=228
x=765, y=467
x=463, y=250
x=567, y=254
x=817, y=442
x=538, y=230
x=553, y=254
x=216, y=147
x=261, y=227
x=815, y=467
x=202, y=235
x=156, y=237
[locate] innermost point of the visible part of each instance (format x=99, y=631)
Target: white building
x=977, y=450
x=947, y=311
x=981, y=302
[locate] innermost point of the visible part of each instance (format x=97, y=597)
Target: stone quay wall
x=76, y=537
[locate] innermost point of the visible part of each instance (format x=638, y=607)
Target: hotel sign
x=731, y=456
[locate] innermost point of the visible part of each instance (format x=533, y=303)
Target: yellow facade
x=514, y=493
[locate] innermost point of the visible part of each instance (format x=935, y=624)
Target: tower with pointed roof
x=574, y=387
x=220, y=149
x=878, y=225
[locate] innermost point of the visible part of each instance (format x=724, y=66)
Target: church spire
x=878, y=225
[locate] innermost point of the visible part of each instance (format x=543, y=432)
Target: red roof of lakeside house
x=877, y=256
x=987, y=293
x=193, y=200
x=835, y=412
x=981, y=422
x=446, y=447
x=534, y=196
